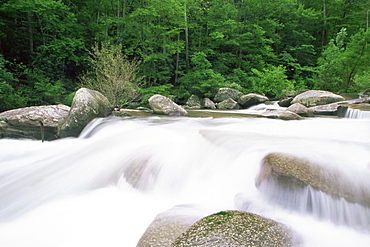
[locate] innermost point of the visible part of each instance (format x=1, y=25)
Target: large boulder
x=235, y=228
x=87, y=104
x=316, y=97
x=28, y=122
x=281, y=114
x=194, y=101
x=251, y=99
x=291, y=172
x=228, y=104
x=163, y=105
x=226, y=93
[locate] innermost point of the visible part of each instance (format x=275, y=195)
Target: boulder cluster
x=58, y=121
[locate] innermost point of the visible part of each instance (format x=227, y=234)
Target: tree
x=113, y=74
x=342, y=61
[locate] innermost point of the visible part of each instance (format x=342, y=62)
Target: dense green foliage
x=183, y=47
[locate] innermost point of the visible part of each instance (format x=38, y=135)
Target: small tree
x=113, y=75
x=272, y=81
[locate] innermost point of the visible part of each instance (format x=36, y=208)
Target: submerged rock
x=316, y=97
x=163, y=105
x=87, y=104
x=26, y=122
x=291, y=172
x=235, y=228
x=226, y=93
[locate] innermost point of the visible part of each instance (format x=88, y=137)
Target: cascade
x=105, y=187
x=356, y=113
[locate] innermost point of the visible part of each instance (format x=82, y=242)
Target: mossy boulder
x=228, y=104
x=226, y=93
x=235, y=228
x=194, y=101
x=163, y=105
x=87, y=104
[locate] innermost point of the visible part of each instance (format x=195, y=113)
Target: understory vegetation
x=132, y=49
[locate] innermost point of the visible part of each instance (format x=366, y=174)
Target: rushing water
x=105, y=188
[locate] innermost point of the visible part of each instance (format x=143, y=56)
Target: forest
x=133, y=49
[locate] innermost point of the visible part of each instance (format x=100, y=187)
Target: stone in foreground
x=235, y=228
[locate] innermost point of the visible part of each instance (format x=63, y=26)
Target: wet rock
x=235, y=228
x=300, y=110
x=226, y=93
x=281, y=114
x=251, y=99
x=208, y=104
x=291, y=172
x=86, y=105
x=285, y=102
x=194, y=101
x=168, y=226
x=317, y=97
x=163, y=105
x=228, y=104
x=25, y=122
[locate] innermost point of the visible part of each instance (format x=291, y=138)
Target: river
x=105, y=187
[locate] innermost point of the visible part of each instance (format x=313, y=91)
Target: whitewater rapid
x=86, y=191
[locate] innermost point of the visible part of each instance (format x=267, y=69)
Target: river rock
x=329, y=109
x=228, y=104
x=87, y=104
x=316, y=97
x=300, y=110
x=285, y=102
x=168, y=226
x=194, y=101
x=25, y=122
x=281, y=114
x=292, y=172
x=251, y=99
x=163, y=105
x=235, y=228
x=226, y=93
x=208, y=104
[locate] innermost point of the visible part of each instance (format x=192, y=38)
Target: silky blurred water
x=105, y=187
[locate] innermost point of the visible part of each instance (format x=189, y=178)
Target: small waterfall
x=355, y=113
x=322, y=206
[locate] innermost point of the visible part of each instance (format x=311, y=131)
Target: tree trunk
x=30, y=30
x=324, y=29
x=186, y=39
